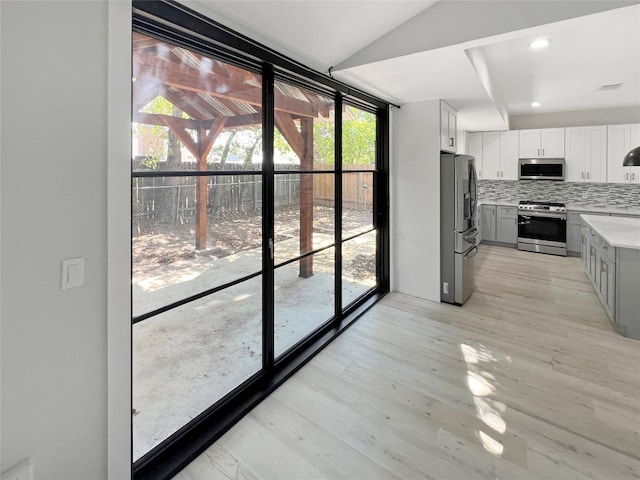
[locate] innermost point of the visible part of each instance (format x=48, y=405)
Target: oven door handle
x=524, y=223
x=557, y=215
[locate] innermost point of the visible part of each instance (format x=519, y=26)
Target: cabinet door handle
x=626, y=176
x=502, y=173
x=538, y=152
x=543, y=152
x=633, y=175
x=603, y=266
x=498, y=174
x=588, y=176
x=582, y=175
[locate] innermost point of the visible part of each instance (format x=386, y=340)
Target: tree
x=358, y=138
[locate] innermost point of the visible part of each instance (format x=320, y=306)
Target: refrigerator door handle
x=472, y=253
x=471, y=237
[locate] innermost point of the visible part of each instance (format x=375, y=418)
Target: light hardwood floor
x=526, y=380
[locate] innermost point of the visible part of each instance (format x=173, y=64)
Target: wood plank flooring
x=526, y=381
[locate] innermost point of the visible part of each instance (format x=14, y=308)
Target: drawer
x=507, y=210
x=607, y=250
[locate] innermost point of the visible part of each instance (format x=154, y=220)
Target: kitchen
x=551, y=215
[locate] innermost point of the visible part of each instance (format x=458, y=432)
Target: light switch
x=72, y=273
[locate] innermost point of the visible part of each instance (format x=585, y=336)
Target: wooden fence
x=174, y=198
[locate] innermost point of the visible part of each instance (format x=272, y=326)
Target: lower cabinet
x=574, y=233
x=499, y=224
x=606, y=273
x=488, y=223
x=613, y=272
x=507, y=225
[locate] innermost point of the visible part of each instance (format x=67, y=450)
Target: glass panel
x=304, y=137
x=192, y=112
x=304, y=213
x=357, y=203
x=358, y=266
x=186, y=359
x=304, y=298
x=180, y=249
x=358, y=139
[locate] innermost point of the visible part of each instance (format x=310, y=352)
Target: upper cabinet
x=496, y=154
x=586, y=154
x=491, y=155
x=448, y=128
x=541, y=143
x=474, y=148
x=621, y=139
x=509, y=143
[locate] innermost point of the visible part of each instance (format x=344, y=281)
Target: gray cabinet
x=488, y=223
x=613, y=272
x=606, y=272
x=507, y=225
x=574, y=233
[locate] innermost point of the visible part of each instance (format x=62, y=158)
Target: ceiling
x=473, y=54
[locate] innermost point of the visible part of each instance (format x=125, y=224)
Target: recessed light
x=535, y=104
x=540, y=43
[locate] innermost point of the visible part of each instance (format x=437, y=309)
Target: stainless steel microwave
x=541, y=169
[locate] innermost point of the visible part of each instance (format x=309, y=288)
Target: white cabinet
x=496, y=154
x=509, y=155
x=448, y=128
x=586, y=154
x=542, y=143
x=491, y=155
x=474, y=148
x=621, y=139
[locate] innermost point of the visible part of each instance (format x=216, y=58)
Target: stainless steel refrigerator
x=458, y=227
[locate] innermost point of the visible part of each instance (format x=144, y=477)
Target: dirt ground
x=182, y=367
x=235, y=232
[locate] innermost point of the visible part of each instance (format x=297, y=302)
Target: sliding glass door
x=197, y=274
x=258, y=203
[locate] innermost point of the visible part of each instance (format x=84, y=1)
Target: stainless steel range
x=542, y=227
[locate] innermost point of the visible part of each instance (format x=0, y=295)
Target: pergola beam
x=186, y=78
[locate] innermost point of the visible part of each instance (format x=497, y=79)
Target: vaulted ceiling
x=474, y=54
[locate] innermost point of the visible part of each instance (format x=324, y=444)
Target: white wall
x=578, y=118
x=415, y=200
x=54, y=206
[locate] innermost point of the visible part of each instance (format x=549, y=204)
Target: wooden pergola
x=216, y=96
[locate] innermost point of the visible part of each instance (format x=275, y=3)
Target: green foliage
x=358, y=139
x=150, y=162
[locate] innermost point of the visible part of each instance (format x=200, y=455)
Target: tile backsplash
x=594, y=194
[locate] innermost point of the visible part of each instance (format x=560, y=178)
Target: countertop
x=617, y=231
x=571, y=207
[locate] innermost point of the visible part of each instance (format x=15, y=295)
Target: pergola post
x=306, y=197
x=201, y=197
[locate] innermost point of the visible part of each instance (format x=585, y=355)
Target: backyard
x=190, y=356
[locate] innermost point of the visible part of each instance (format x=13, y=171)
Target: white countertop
x=619, y=232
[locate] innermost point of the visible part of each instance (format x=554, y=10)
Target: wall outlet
x=20, y=471
x=445, y=287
